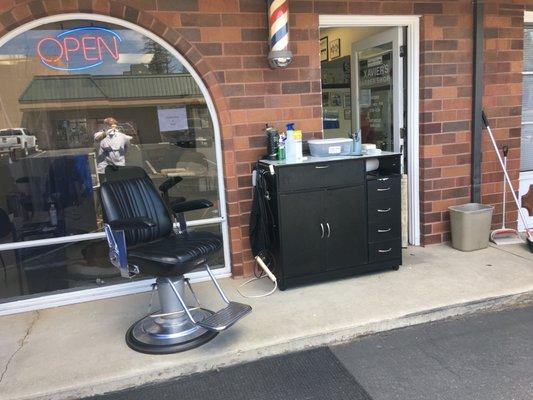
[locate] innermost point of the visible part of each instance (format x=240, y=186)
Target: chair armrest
x=169, y=183
x=183, y=206
x=132, y=223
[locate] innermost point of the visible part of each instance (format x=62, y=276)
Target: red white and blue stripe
x=278, y=18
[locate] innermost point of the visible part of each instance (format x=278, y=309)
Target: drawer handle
x=322, y=229
x=383, y=179
x=385, y=251
x=383, y=190
x=384, y=211
x=321, y=166
x=384, y=230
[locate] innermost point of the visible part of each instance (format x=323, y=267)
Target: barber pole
x=278, y=20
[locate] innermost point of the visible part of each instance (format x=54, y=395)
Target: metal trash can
x=470, y=226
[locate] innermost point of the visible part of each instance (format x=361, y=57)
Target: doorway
x=370, y=85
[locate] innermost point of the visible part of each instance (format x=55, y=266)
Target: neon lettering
x=79, y=48
x=68, y=49
x=58, y=46
x=86, y=48
x=102, y=44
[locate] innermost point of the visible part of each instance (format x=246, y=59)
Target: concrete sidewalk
x=79, y=350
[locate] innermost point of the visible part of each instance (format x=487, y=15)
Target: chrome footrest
x=226, y=317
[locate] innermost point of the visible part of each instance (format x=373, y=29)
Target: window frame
x=47, y=300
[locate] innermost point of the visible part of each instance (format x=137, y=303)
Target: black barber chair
x=142, y=240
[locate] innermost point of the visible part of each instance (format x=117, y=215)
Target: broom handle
x=506, y=175
x=505, y=150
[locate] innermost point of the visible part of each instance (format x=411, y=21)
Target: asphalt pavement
x=483, y=356
x=486, y=356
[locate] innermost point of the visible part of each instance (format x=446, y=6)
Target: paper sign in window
x=172, y=119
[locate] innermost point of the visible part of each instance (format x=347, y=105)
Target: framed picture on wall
x=347, y=113
x=347, y=100
x=324, y=49
x=335, y=100
x=335, y=49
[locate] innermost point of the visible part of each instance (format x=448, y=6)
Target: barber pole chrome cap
x=278, y=19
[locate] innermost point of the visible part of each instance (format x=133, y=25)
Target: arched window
x=61, y=78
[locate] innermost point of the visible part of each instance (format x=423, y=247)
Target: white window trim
x=81, y=295
x=412, y=22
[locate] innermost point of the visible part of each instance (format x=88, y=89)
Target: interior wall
x=350, y=35
x=347, y=36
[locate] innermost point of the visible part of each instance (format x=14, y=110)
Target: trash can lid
x=471, y=208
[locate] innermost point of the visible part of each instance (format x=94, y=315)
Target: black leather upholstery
x=174, y=254
x=156, y=250
x=133, y=198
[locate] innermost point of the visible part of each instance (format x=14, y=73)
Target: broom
x=505, y=235
x=506, y=178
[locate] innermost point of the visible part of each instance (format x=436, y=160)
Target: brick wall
x=504, y=32
x=225, y=41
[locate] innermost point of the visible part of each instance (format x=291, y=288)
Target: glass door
x=526, y=150
x=377, y=90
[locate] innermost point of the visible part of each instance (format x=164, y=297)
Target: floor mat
x=307, y=375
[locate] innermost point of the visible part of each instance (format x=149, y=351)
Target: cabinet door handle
x=383, y=190
x=385, y=251
x=329, y=229
x=321, y=166
x=383, y=179
x=384, y=230
x=322, y=229
x=383, y=211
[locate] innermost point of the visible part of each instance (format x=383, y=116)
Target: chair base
x=169, y=334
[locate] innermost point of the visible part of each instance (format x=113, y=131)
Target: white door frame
x=412, y=22
x=80, y=295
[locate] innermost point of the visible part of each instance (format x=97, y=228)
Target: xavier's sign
x=79, y=49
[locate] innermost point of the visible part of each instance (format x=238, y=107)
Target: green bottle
x=281, y=147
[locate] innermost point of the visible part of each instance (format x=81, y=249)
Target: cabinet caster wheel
x=396, y=268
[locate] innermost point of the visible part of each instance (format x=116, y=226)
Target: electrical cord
x=256, y=296
x=262, y=234
x=265, y=273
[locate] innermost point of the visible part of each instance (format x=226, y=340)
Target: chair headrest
x=119, y=173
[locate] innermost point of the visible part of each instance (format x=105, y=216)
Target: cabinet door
x=346, y=227
x=302, y=235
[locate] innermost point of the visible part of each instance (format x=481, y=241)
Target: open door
x=378, y=90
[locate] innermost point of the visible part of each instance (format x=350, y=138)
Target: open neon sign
x=79, y=49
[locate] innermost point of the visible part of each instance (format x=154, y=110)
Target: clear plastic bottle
x=356, y=146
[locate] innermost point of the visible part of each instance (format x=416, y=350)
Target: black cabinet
x=346, y=230
x=333, y=219
x=301, y=229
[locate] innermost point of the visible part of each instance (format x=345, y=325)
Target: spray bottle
x=289, y=143
x=356, y=145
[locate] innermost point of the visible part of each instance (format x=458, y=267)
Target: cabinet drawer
x=384, y=187
x=385, y=230
x=388, y=209
x=321, y=175
x=383, y=251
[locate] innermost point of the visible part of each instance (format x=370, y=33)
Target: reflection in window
x=59, y=84
x=65, y=267
x=526, y=158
